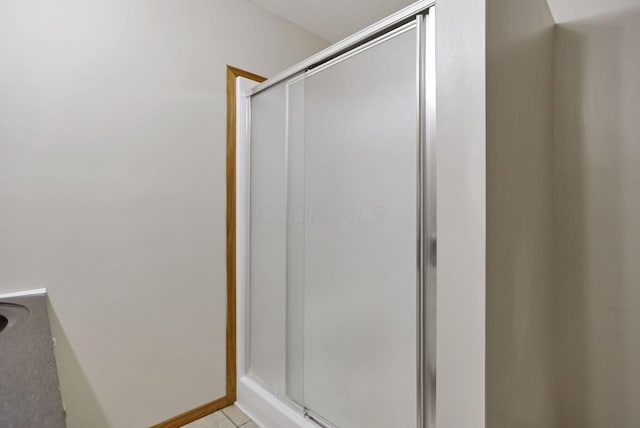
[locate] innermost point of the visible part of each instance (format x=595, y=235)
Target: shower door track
x=371, y=32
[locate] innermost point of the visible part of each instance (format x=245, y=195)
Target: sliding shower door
x=360, y=234
x=336, y=236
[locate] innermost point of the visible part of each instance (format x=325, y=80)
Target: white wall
x=112, y=185
x=520, y=37
x=597, y=221
x=461, y=138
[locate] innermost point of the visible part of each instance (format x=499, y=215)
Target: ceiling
x=334, y=20
x=573, y=10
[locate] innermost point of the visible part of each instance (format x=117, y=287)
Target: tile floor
x=229, y=417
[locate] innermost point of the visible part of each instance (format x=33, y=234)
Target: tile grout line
x=230, y=420
x=247, y=422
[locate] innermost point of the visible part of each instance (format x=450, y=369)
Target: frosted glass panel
x=360, y=237
x=267, y=258
x=332, y=276
x=295, y=241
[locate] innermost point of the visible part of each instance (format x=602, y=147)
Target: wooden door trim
x=232, y=74
x=230, y=397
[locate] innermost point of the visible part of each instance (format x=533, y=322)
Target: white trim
x=35, y=292
x=242, y=200
x=266, y=409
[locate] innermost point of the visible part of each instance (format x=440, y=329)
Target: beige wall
x=112, y=188
x=597, y=221
x=461, y=131
x=562, y=309
x=520, y=37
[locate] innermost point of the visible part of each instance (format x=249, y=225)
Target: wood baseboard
x=194, y=414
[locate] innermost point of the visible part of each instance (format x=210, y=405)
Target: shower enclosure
x=339, y=305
